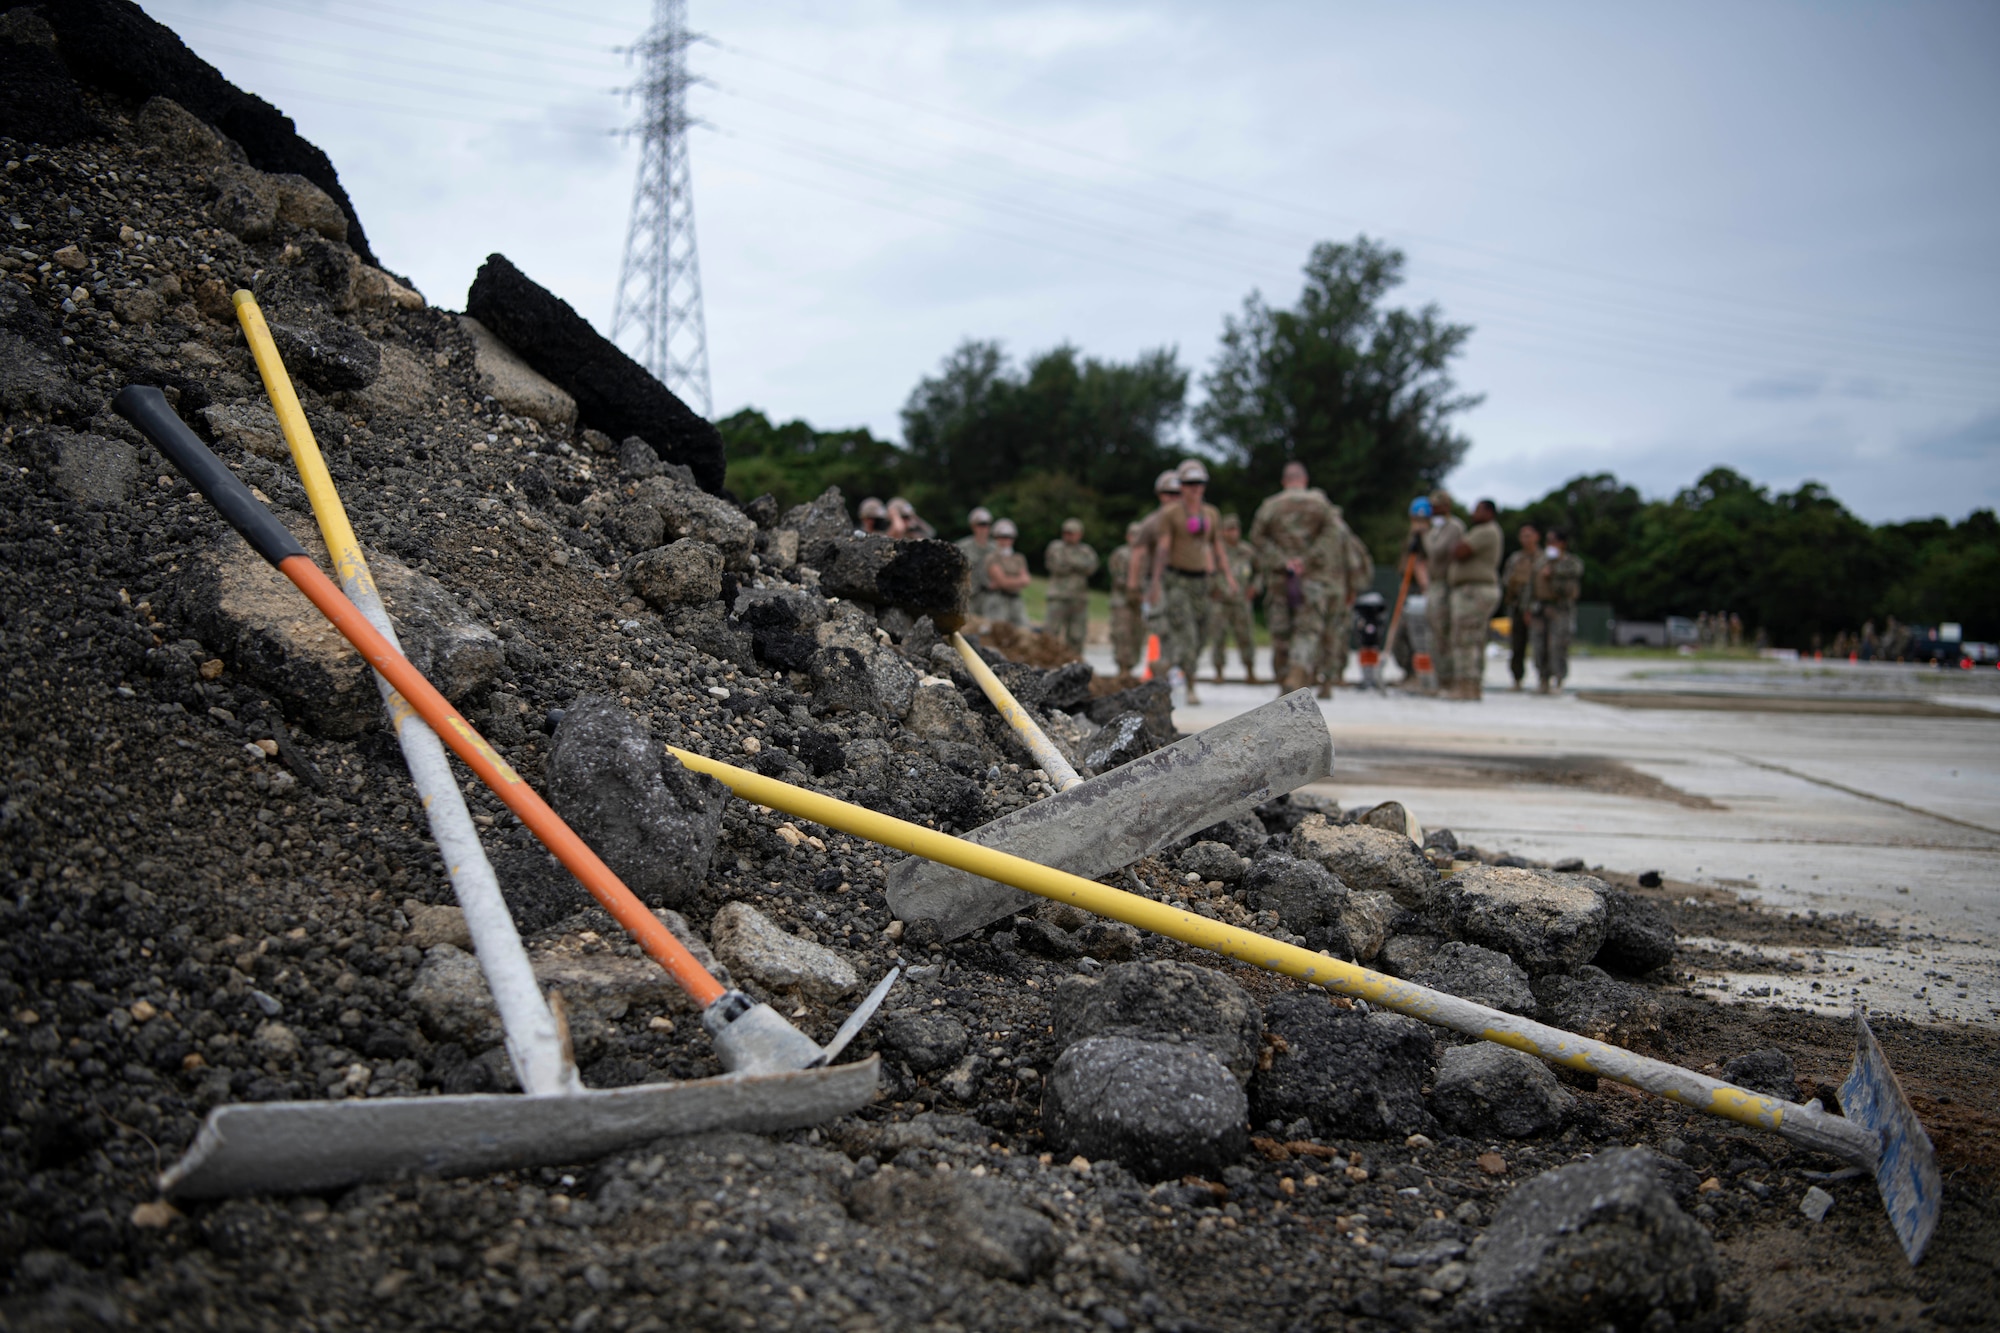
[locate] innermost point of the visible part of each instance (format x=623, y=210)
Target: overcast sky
x=1760, y=235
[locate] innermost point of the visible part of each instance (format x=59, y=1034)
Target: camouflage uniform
x=1184, y=583
x=1353, y=570
x=976, y=553
x=1475, y=592
x=1128, y=625
x=1290, y=526
x=1439, y=542
x=1558, y=584
x=1230, y=616
x=1005, y=606
x=1070, y=565
x=1516, y=597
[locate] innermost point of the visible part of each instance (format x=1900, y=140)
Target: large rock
x=599, y=989
x=923, y=578
x=685, y=511
x=1366, y=917
x=246, y=201
x=923, y=1041
x=1367, y=860
x=1125, y=738
x=974, y=1224
x=686, y=573
x=1352, y=1075
x=824, y=519
x=782, y=620
x=303, y=204
x=1307, y=897
x=1598, y=1244
x=938, y=712
x=1160, y=1109
x=613, y=393
x=1166, y=1001
x=654, y=822
x=1212, y=861
x=1545, y=922
x=327, y=354
x=1638, y=934
x=1484, y=1090
x=1594, y=1004
x=1479, y=975
x=181, y=136
x=756, y=948
x=442, y=639
x=514, y=384
x=1769, y=1071
x=270, y=634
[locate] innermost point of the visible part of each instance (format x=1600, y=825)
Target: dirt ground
x=185, y=923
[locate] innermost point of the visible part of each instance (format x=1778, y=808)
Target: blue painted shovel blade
x=1906, y=1172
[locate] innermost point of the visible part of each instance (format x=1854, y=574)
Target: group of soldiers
x=1540, y=585
x=1189, y=574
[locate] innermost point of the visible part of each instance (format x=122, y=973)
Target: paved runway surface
x=1772, y=782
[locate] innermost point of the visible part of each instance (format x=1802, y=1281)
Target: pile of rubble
x=219, y=887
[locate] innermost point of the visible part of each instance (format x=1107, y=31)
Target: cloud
x=1783, y=386
x=1977, y=439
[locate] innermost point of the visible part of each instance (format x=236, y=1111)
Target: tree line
x=1794, y=563
x=1362, y=392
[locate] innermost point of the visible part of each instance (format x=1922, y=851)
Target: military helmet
x=1072, y=525
x=980, y=515
x=873, y=507
x=1191, y=470
x=1168, y=482
x=1005, y=528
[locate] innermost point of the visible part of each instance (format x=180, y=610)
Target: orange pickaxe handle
x=1402, y=595
x=148, y=410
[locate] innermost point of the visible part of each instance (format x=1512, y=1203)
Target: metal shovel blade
x=1906, y=1171
x=1116, y=818
x=289, y=1147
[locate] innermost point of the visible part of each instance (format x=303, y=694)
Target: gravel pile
x=220, y=889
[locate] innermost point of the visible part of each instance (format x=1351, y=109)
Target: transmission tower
x=659, y=281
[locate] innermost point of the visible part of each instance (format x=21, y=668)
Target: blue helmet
x=1420, y=507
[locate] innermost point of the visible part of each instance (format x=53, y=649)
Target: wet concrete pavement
x=1716, y=779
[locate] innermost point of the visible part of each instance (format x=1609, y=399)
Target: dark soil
x=170, y=897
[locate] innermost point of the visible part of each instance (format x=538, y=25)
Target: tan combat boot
x=1295, y=679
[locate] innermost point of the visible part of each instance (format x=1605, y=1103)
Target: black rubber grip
x=147, y=408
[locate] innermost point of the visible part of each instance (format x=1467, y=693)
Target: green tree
x=795, y=462
x=1065, y=434
x=1361, y=393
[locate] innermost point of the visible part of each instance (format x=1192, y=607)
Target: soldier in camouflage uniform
x=1070, y=564
x=1350, y=570
x=1446, y=535
x=1006, y=576
x=1288, y=534
x=1229, y=615
x=1473, y=576
x=977, y=548
x=1558, y=583
x=1184, y=560
x=1517, y=578
x=1128, y=626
